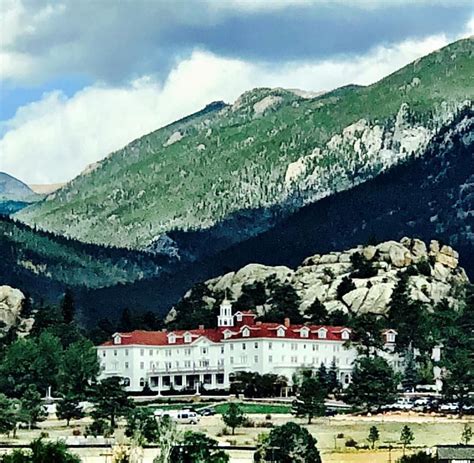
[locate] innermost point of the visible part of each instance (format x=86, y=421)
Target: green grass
x=256, y=409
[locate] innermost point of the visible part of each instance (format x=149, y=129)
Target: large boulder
x=11, y=303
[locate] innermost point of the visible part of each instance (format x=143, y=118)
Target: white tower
x=225, y=317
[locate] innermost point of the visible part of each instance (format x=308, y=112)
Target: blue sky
x=79, y=79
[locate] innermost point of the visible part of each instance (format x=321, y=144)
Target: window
x=126, y=365
x=270, y=359
x=315, y=347
x=115, y=353
x=304, y=332
x=231, y=347
x=142, y=382
x=294, y=346
x=178, y=380
x=187, y=364
x=243, y=359
x=255, y=359
x=187, y=351
x=126, y=352
x=244, y=346
x=126, y=382
x=255, y=345
x=150, y=352
x=207, y=379
x=390, y=337
x=177, y=364
x=142, y=365
x=142, y=352
x=203, y=350
x=168, y=365
x=104, y=353
x=245, y=332
x=187, y=338
x=345, y=334
x=117, y=339
x=231, y=360
x=222, y=349
x=220, y=378
x=168, y=353
x=281, y=332
x=294, y=359
x=166, y=381
x=172, y=338
x=238, y=316
x=269, y=346
x=322, y=333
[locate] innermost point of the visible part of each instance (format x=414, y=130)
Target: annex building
x=190, y=359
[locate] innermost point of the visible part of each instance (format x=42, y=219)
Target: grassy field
x=257, y=409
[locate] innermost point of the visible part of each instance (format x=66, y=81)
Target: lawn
x=256, y=409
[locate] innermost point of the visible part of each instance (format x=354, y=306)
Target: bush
x=268, y=417
x=420, y=457
x=351, y=442
x=345, y=286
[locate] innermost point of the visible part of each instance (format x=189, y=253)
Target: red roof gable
x=256, y=330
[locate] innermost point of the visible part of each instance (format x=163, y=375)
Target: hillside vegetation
x=271, y=148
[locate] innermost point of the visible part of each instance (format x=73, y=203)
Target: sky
x=80, y=79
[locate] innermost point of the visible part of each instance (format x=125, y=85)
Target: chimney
x=201, y=327
x=287, y=322
x=258, y=323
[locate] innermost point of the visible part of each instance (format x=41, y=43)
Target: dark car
x=207, y=412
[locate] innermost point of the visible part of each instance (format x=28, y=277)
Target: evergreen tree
x=316, y=313
x=466, y=434
x=374, y=384
x=196, y=447
x=233, y=416
x=406, y=437
x=68, y=408
x=284, y=301
x=8, y=415
x=110, y=400
x=310, y=400
x=42, y=452
x=289, y=443
x=253, y=295
x=32, y=410
x=125, y=323
x=333, y=382
x=322, y=376
x=68, y=307
x=411, y=376
x=345, y=286
x=374, y=436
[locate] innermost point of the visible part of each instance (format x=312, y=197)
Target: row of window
x=205, y=350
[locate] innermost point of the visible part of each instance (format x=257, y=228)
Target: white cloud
x=53, y=139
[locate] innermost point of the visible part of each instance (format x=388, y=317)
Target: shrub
x=345, y=286
x=351, y=442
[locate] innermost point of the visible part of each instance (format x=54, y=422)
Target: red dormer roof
x=256, y=330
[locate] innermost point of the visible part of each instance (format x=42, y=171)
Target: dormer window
x=345, y=335
x=281, y=332
x=304, y=332
x=172, y=338
x=322, y=332
x=245, y=332
x=187, y=338
x=117, y=339
x=390, y=337
x=238, y=316
x=227, y=334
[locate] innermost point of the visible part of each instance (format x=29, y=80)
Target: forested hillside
x=271, y=150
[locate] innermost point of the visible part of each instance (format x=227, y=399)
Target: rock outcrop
x=433, y=271
x=11, y=304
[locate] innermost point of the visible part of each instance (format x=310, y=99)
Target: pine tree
x=233, y=417
x=406, y=437
x=316, y=313
x=68, y=408
x=374, y=436
x=410, y=374
x=310, y=401
x=67, y=307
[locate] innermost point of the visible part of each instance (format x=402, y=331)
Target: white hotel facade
x=188, y=359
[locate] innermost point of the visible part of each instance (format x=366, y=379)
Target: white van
x=181, y=416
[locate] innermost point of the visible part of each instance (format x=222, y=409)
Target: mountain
x=14, y=190
x=44, y=264
x=234, y=172
x=430, y=197
x=14, y=194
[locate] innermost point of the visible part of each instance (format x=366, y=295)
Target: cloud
x=53, y=139
x=41, y=40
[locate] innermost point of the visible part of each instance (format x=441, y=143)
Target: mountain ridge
x=269, y=148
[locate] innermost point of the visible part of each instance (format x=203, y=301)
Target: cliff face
x=434, y=272
x=11, y=303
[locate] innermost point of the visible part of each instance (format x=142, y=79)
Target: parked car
x=450, y=407
x=207, y=412
x=181, y=416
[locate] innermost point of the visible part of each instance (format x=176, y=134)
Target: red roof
x=256, y=330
